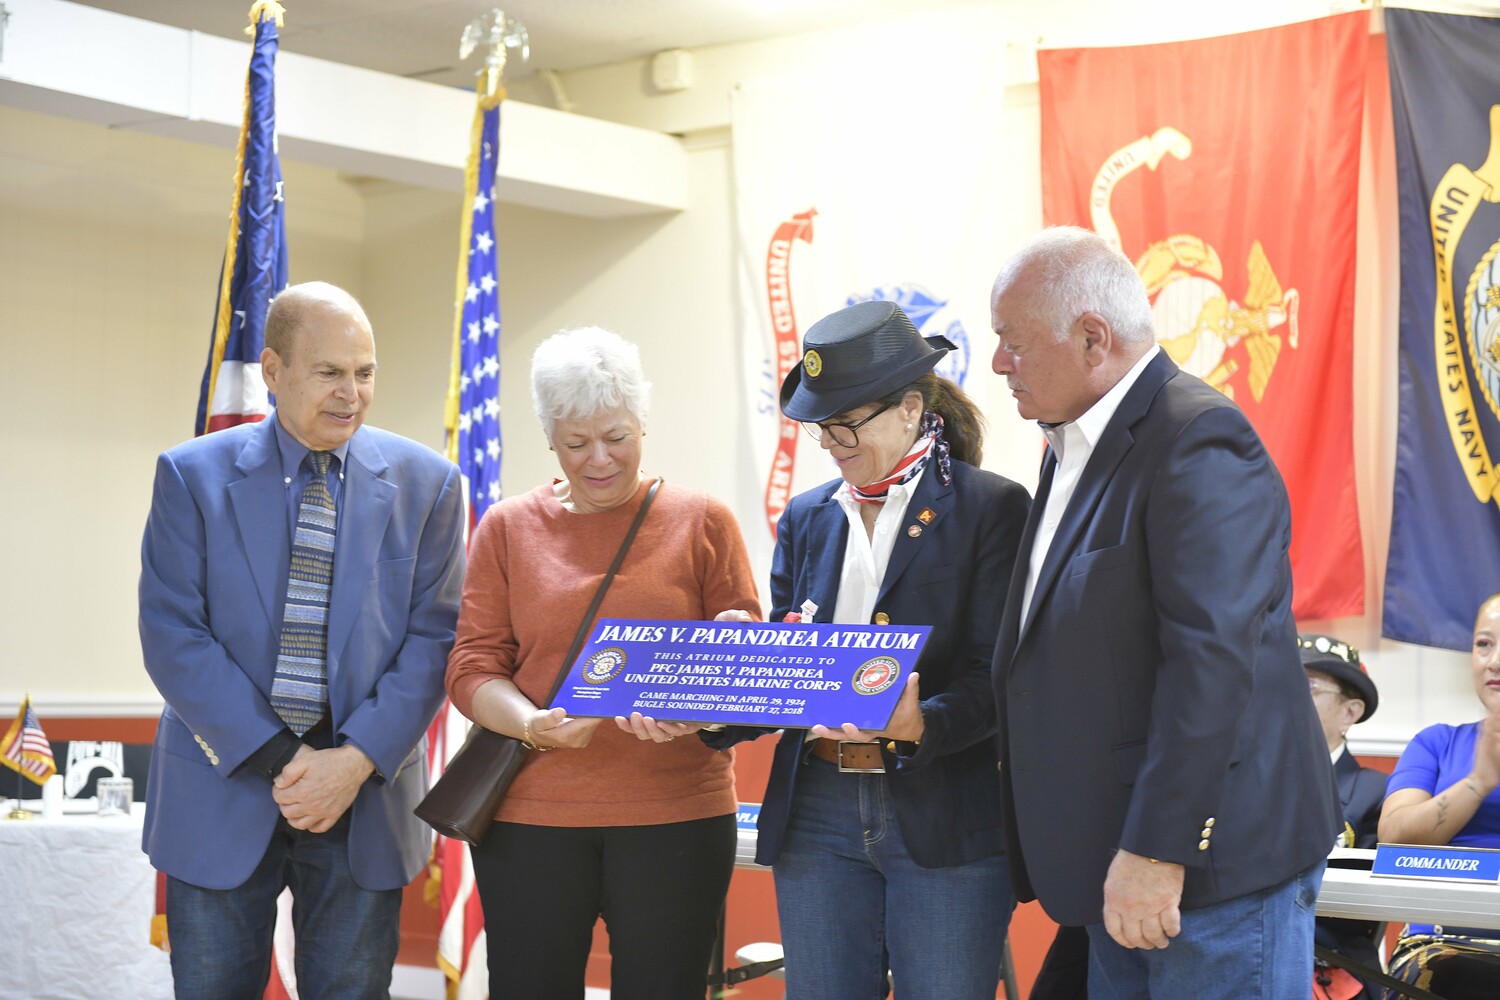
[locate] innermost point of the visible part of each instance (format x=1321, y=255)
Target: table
x=1355, y=893
x=744, y=847
x=1347, y=892
x=82, y=894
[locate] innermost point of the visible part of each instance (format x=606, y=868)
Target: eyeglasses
x=1316, y=689
x=843, y=435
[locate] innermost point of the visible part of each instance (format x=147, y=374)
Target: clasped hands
x=1486, y=769
x=317, y=786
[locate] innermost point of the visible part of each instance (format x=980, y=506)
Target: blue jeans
x=1259, y=945
x=853, y=903
x=346, y=936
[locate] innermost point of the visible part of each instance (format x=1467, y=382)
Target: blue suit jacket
x=952, y=576
x=213, y=583
x=1154, y=699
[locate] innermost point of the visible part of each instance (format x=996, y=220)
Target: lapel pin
x=927, y=515
x=914, y=530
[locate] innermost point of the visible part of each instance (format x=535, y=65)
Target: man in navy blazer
x=241, y=805
x=1165, y=776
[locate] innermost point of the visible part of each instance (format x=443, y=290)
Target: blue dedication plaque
x=786, y=676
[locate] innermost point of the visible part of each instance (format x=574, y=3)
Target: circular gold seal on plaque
x=604, y=665
x=812, y=363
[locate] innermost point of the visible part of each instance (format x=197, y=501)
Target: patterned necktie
x=299, y=692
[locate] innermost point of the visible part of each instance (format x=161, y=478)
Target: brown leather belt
x=852, y=758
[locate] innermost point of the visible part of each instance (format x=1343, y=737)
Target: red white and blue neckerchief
x=930, y=442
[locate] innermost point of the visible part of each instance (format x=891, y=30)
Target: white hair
x=1079, y=272
x=578, y=374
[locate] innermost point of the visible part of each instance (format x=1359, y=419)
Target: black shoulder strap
x=587, y=624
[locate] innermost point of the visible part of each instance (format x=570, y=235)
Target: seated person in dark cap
x=1344, y=694
x=887, y=847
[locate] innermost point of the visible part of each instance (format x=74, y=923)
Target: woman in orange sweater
x=640, y=833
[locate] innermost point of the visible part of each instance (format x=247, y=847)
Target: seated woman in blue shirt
x=1446, y=790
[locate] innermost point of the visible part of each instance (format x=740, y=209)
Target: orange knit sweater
x=533, y=569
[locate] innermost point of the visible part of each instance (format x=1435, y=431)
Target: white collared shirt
x=1073, y=443
x=867, y=555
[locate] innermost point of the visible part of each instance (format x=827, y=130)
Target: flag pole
x=473, y=443
x=18, y=812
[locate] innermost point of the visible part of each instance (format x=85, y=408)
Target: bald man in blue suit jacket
x=240, y=805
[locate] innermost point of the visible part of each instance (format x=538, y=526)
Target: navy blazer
x=1361, y=793
x=213, y=584
x=952, y=575
x=1154, y=699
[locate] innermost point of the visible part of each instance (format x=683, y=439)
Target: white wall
x=662, y=281
x=110, y=244
x=110, y=239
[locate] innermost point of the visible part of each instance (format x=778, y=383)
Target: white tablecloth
x=80, y=894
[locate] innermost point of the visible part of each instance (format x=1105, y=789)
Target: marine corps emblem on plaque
x=876, y=675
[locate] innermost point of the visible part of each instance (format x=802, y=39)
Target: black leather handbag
x=462, y=804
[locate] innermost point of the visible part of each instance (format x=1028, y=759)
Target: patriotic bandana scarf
x=930, y=442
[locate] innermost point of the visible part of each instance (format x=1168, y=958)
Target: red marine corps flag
x=1227, y=169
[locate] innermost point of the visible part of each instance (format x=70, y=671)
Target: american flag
x=25, y=748
x=473, y=425
x=255, y=260
x=474, y=389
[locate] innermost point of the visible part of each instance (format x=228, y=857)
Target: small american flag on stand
x=25, y=749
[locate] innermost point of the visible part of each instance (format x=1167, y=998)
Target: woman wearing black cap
x=888, y=846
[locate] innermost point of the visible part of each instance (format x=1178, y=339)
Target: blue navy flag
x=1445, y=528
x=474, y=391
x=255, y=265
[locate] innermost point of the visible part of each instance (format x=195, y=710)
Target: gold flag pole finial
x=499, y=33
x=262, y=9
